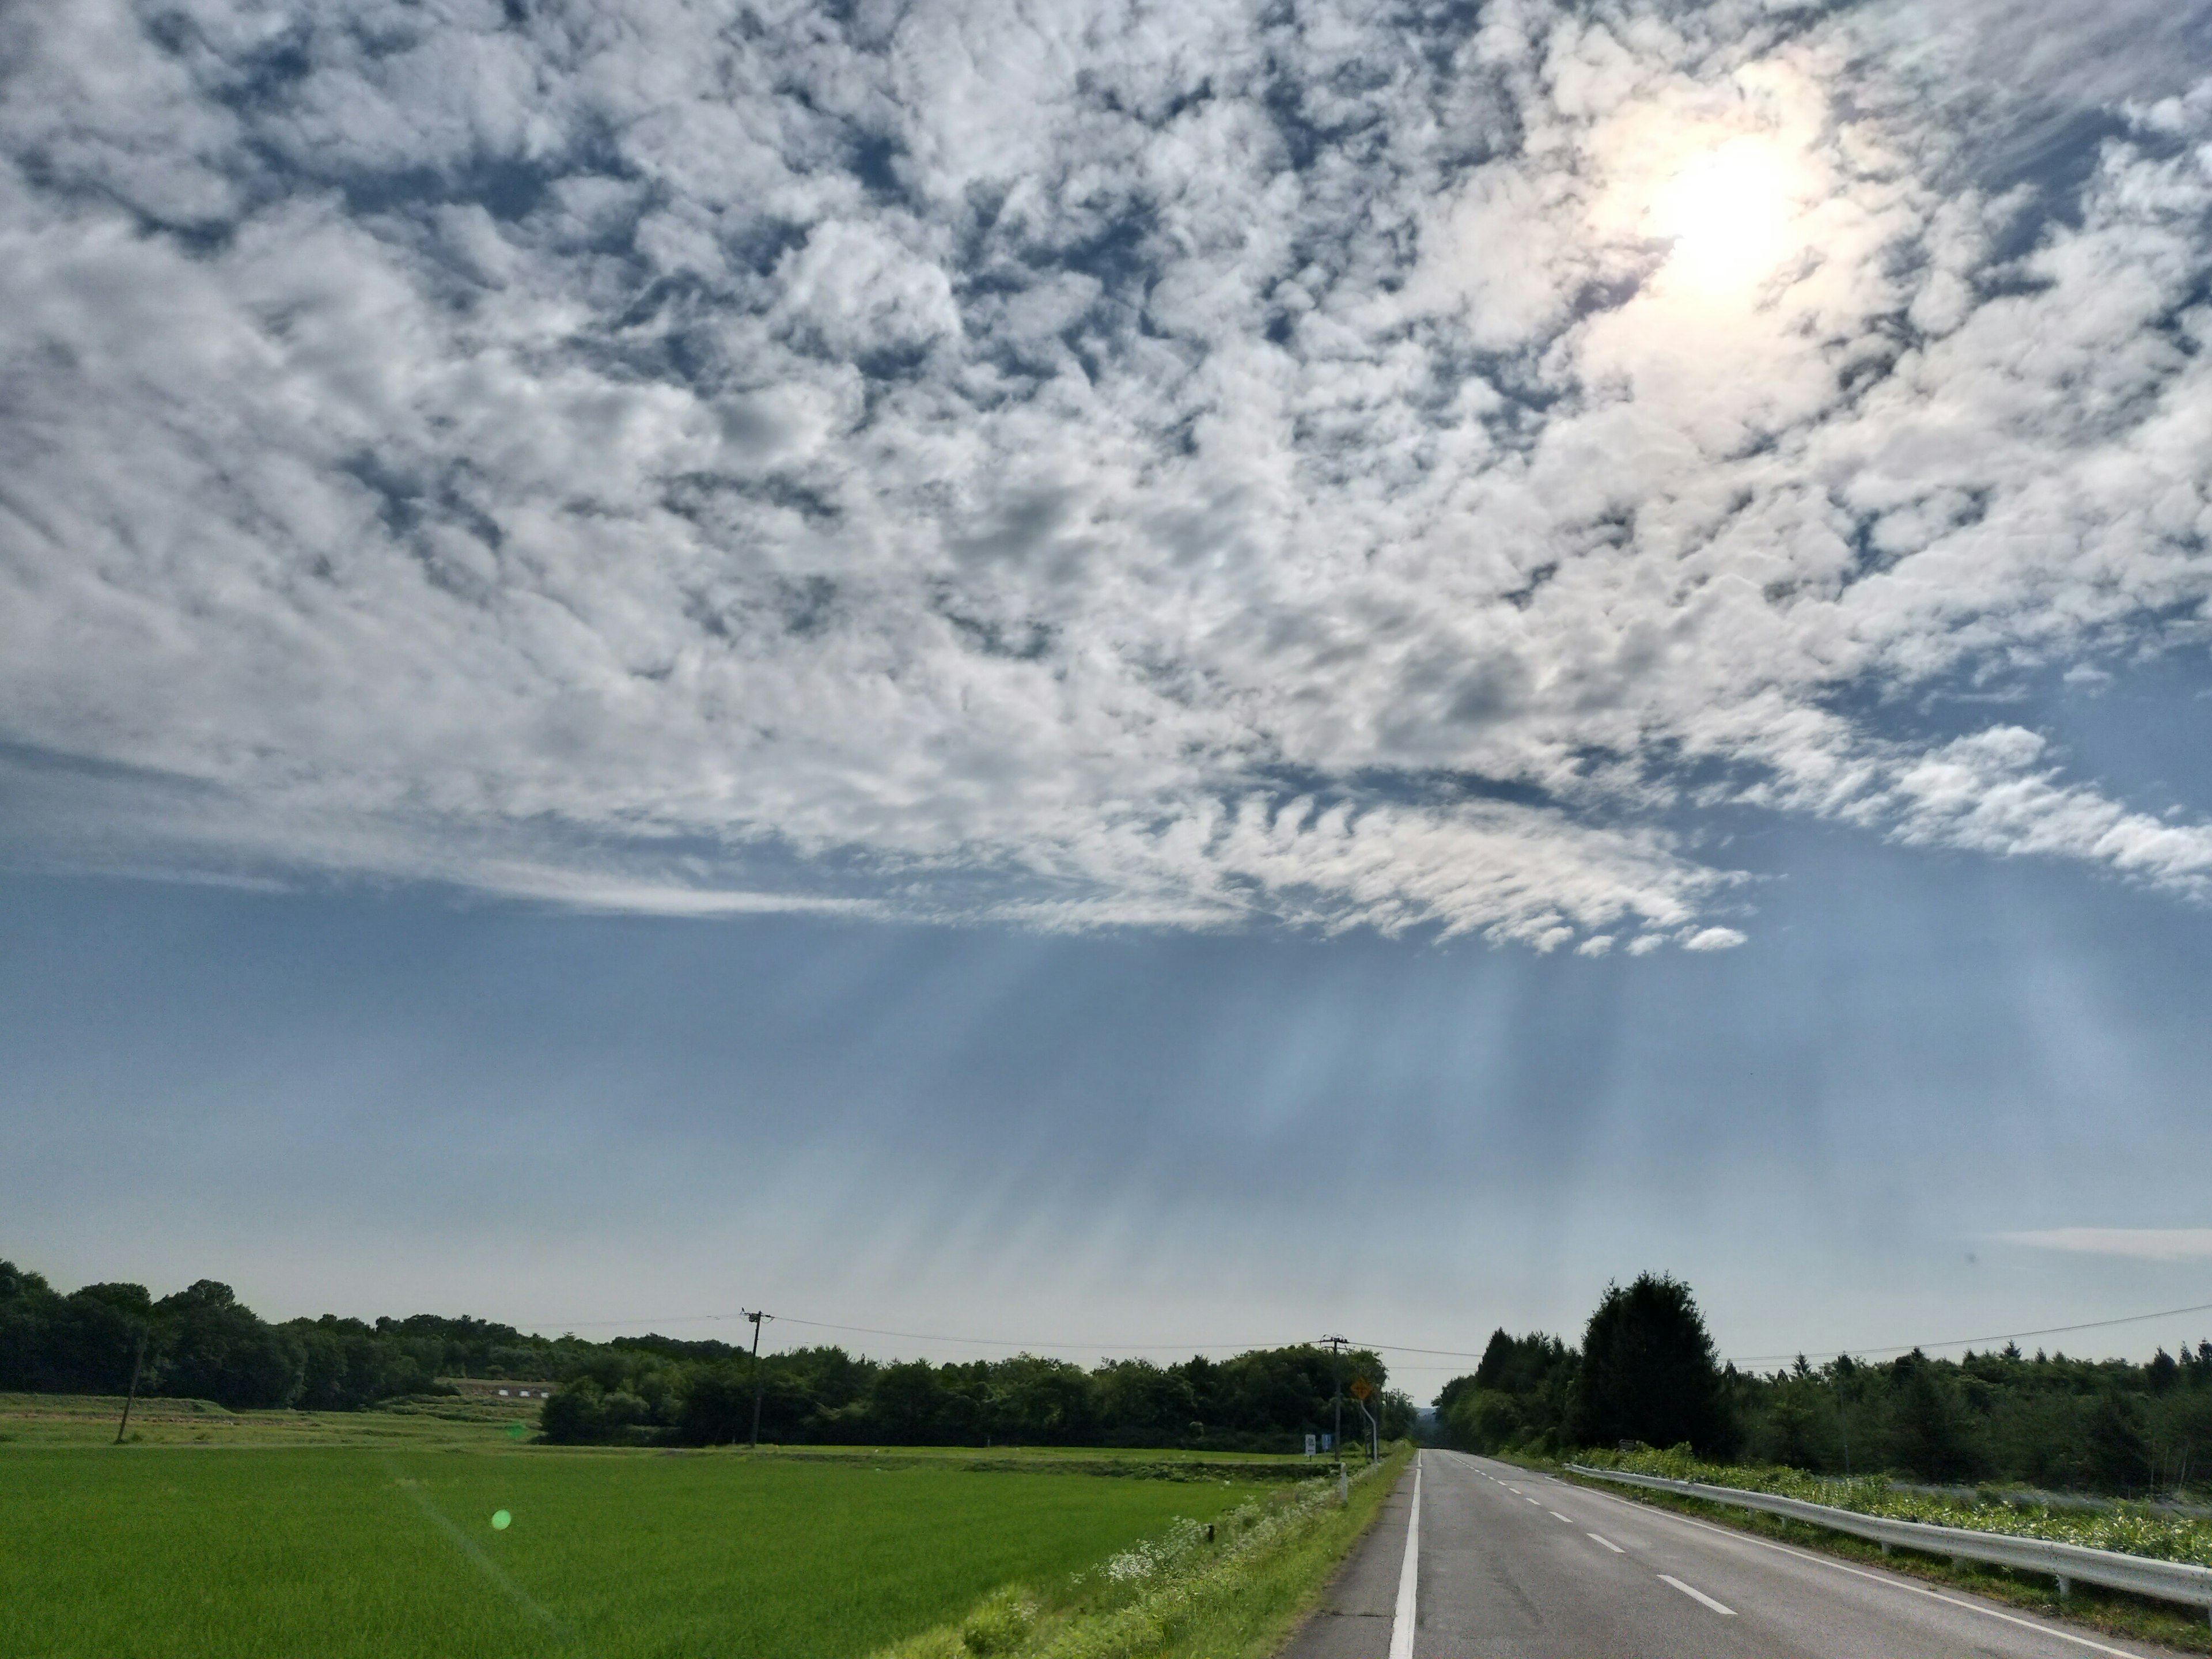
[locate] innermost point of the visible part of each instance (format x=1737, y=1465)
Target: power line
x=923, y=1336
x=1034, y=1344
x=993, y=1342
x=1999, y=1336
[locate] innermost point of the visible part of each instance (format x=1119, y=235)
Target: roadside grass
x=2114, y=1613
x=1233, y=1591
x=170, y=1552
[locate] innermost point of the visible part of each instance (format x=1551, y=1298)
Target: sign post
x=1362, y=1392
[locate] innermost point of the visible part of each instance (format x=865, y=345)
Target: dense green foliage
x=1517, y=1398
x=1649, y=1373
x=1264, y=1400
x=2106, y=1425
x=156, y=1553
x=200, y=1342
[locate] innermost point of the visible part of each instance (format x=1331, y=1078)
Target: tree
x=214, y=1349
x=1930, y=1431
x=2118, y=1444
x=909, y=1403
x=1648, y=1372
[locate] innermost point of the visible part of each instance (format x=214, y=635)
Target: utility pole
x=131, y=1398
x=1336, y=1345
x=757, y=1318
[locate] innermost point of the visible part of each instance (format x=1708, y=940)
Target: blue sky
x=1099, y=673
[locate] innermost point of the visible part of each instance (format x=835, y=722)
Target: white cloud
x=1086, y=467
x=2144, y=1244
x=1714, y=939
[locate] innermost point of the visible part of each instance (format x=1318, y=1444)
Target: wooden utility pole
x=1336, y=1441
x=757, y=1318
x=131, y=1398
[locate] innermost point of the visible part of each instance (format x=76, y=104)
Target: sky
x=1111, y=676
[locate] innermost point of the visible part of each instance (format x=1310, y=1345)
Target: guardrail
x=2166, y=1581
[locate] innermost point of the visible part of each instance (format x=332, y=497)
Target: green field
x=69, y=1419
x=198, y=1550
x=53, y=1420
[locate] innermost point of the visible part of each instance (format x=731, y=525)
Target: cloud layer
x=1082, y=463
x=2143, y=1244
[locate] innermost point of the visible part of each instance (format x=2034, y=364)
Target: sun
x=1727, y=213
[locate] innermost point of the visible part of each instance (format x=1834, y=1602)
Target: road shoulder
x=1353, y=1618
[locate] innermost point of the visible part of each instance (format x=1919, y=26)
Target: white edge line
x=1696, y=1594
x=1610, y=1545
x=1409, y=1574
x=1894, y=1580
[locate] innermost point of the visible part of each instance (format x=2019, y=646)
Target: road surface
x=1512, y=1566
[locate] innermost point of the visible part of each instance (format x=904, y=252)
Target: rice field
x=186, y=1550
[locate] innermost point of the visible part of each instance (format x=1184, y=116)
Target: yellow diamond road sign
x=1361, y=1388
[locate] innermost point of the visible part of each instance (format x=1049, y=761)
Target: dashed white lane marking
x=1409, y=1573
x=1526, y=1499
x=1556, y=1515
x=1610, y=1545
x=1697, y=1595
x=1877, y=1578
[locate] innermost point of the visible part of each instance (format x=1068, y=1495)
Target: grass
x=181, y=1551
x=1277, y=1593
x=1232, y=1591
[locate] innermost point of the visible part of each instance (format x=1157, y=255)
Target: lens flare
x=501, y=1520
x=1727, y=213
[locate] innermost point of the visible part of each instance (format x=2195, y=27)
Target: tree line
x=1646, y=1372
x=202, y=1343
x=701, y=1393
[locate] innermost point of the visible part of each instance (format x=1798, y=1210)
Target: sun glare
x=1727, y=213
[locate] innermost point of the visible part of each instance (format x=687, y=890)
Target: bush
x=583, y=1413
x=1001, y=1625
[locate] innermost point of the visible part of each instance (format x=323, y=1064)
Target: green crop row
x=2130, y=1528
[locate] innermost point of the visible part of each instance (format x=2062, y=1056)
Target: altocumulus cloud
x=1082, y=463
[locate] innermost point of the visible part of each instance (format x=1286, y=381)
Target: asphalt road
x=1519, y=1566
